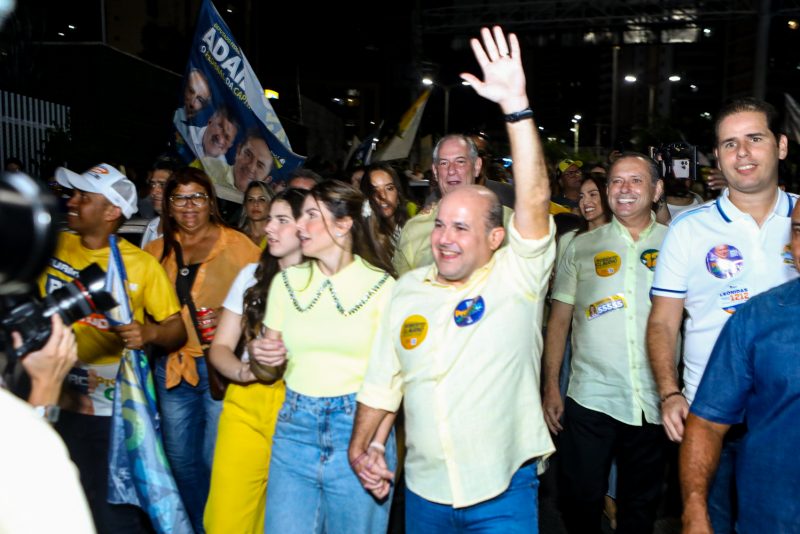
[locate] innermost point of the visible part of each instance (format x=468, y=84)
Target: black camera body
x=26, y=228
x=74, y=301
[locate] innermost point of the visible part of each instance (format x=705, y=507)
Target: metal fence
x=24, y=122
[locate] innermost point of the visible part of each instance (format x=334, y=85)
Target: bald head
x=483, y=199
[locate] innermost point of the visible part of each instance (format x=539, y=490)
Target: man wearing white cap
x=101, y=200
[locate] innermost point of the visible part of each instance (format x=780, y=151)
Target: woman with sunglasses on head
x=325, y=312
x=255, y=210
x=202, y=256
x=249, y=411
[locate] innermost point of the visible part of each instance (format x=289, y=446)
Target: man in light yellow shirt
x=475, y=431
x=602, y=288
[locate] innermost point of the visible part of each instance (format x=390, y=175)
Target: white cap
x=107, y=181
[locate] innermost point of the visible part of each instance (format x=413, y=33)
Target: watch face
x=49, y=413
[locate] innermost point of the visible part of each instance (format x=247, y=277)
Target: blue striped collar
x=729, y=212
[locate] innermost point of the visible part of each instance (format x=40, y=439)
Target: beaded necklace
x=327, y=284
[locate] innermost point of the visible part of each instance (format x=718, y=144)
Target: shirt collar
x=729, y=212
x=433, y=272
x=625, y=233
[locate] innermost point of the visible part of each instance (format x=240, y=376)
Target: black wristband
x=668, y=395
x=526, y=113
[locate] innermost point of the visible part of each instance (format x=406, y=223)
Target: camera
x=27, y=231
x=677, y=161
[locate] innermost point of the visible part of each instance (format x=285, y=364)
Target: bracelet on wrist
x=517, y=116
x=671, y=394
x=377, y=446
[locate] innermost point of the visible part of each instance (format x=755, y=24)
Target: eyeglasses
x=197, y=200
x=156, y=185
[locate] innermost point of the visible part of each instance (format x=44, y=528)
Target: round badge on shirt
x=413, y=331
x=724, y=261
x=607, y=263
x=469, y=311
x=649, y=257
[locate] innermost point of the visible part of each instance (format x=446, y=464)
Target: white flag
x=399, y=146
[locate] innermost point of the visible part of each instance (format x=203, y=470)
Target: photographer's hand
x=48, y=366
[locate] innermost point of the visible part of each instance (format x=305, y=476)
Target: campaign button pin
x=469, y=311
x=413, y=332
x=607, y=263
x=648, y=258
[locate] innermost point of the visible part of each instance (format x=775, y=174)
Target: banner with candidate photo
x=224, y=122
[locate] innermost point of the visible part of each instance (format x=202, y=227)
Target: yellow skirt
x=238, y=494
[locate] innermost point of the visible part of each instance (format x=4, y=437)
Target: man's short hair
x=652, y=166
x=225, y=111
x=166, y=164
x=305, y=173
x=494, y=215
x=740, y=105
x=473, y=149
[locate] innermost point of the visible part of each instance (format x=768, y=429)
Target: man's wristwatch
x=49, y=412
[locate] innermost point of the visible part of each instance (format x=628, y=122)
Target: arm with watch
x=48, y=366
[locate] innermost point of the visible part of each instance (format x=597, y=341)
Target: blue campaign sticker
x=469, y=311
x=724, y=261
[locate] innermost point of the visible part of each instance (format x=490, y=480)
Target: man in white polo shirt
x=714, y=258
x=602, y=288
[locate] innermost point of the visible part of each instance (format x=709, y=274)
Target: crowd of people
x=510, y=321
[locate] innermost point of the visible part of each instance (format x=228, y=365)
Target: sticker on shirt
x=648, y=258
x=607, y=263
x=606, y=305
x=724, y=261
x=413, y=332
x=469, y=311
x=733, y=297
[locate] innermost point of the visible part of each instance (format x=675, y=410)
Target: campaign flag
x=224, y=116
x=399, y=146
x=139, y=473
x=792, y=126
x=362, y=155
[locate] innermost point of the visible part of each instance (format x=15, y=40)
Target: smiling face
x=253, y=163
x=748, y=153
x=590, y=202
x=218, y=136
x=86, y=212
x=385, y=192
x=460, y=241
x=196, y=95
x=281, y=229
x=453, y=166
x=631, y=190
x=190, y=217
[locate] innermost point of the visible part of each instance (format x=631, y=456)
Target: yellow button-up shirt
x=606, y=276
x=466, y=359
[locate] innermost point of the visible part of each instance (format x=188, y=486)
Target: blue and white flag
x=139, y=473
x=224, y=121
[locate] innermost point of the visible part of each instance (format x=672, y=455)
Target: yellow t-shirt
x=328, y=324
x=99, y=349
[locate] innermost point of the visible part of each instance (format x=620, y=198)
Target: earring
x=338, y=234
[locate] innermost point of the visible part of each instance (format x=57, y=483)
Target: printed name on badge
x=469, y=311
x=607, y=263
x=606, y=305
x=648, y=258
x=413, y=332
x=733, y=297
x=724, y=261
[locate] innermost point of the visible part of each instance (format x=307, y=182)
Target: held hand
x=553, y=408
x=271, y=352
x=132, y=334
x=373, y=473
x=504, y=78
x=50, y=364
x=674, y=411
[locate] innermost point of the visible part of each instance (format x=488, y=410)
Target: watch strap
x=517, y=116
x=49, y=412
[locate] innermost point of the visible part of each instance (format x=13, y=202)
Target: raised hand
x=503, y=77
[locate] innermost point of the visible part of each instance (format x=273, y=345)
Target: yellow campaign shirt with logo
x=606, y=276
x=99, y=349
x=465, y=361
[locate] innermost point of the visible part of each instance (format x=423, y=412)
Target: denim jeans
x=189, y=419
x=722, y=503
x=311, y=487
x=516, y=510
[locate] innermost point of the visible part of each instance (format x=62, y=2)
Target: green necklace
x=328, y=285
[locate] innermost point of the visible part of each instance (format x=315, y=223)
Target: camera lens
x=84, y=296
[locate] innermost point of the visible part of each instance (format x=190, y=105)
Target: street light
x=446, y=88
x=576, y=120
